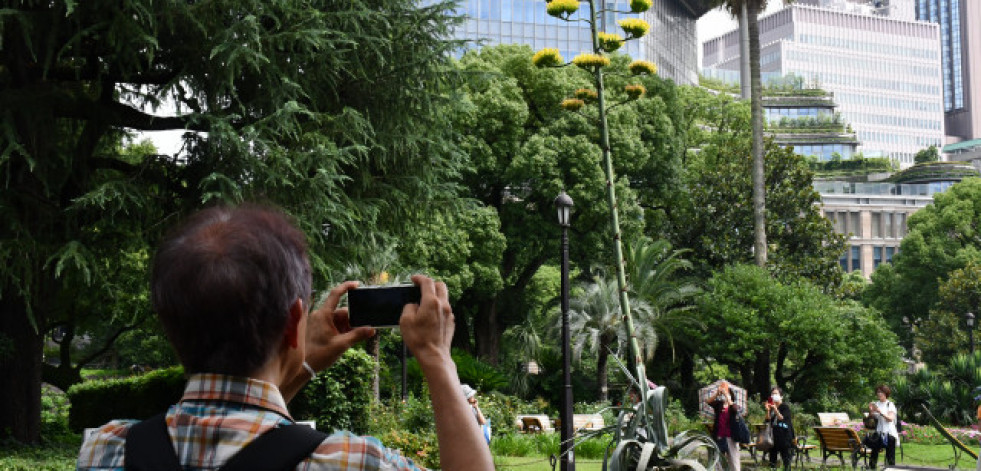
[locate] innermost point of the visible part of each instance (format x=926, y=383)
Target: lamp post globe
x=564, y=204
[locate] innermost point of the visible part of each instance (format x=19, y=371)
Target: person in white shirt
x=885, y=411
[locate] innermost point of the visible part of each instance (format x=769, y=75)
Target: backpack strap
x=280, y=449
x=148, y=448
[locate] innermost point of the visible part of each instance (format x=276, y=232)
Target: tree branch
x=105, y=347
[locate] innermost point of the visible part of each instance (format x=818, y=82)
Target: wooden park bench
x=587, y=422
x=959, y=447
x=838, y=441
x=534, y=423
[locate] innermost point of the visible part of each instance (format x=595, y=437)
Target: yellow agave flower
x=586, y=94
x=635, y=91
x=558, y=8
x=639, y=67
x=548, y=57
x=572, y=104
x=589, y=61
x=634, y=27
x=639, y=6
x=609, y=42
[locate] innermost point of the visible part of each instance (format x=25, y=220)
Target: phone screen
x=380, y=306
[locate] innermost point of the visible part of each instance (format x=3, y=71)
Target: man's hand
x=427, y=328
x=329, y=332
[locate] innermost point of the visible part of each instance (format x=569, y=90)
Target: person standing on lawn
x=885, y=411
x=778, y=414
x=723, y=403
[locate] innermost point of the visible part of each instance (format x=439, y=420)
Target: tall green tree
x=524, y=149
x=942, y=237
x=301, y=104
x=944, y=332
x=713, y=213
x=805, y=340
x=751, y=9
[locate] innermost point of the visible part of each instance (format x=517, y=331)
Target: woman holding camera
x=778, y=415
x=723, y=403
x=888, y=436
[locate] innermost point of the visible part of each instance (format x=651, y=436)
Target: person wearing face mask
x=778, y=414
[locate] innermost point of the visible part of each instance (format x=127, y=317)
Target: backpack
x=148, y=448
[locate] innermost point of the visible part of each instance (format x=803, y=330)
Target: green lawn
x=58, y=457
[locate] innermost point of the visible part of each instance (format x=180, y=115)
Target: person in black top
x=723, y=403
x=778, y=414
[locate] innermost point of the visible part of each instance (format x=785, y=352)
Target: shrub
x=421, y=447
x=513, y=444
x=340, y=397
x=94, y=403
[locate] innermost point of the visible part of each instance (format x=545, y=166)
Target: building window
x=876, y=225
x=854, y=224
x=856, y=258
x=876, y=256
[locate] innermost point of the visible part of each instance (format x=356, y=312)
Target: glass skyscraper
x=960, y=37
x=671, y=43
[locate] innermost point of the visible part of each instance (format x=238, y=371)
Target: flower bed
x=927, y=434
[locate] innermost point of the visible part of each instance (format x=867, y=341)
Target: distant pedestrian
x=885, y=411
x=471, y=395
x=723, y=403
x=778, y=415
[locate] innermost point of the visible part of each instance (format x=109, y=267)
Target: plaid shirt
x=219, y=415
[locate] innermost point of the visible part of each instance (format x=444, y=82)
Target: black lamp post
x=969, y=317
x=568, y=459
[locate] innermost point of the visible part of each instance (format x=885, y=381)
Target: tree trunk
x=371, y=345
x=756, y=107
x=461, y=334
x=745, y=79
x=761, y=375
x=601, y=376
x=20, y=372
x=486, y=333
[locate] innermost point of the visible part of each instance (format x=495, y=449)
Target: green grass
x=61, y=456
x=49, y=457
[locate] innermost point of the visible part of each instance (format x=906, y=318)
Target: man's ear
x=293, y=323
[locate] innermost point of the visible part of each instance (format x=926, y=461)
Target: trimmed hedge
x=338, y=398
x=94, y=403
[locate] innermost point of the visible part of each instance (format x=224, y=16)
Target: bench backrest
x=837, y=438
x=828, y=419
x=541, y=422
x=587, y=421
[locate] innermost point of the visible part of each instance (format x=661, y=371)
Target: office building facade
x=960, y=40
x=671, y=43
x=884, y=71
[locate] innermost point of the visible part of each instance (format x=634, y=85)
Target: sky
x=715, y=23
x=718, y=22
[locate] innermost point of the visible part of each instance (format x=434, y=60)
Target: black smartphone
x=380, y=306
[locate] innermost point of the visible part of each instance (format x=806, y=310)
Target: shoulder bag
x=764, y=441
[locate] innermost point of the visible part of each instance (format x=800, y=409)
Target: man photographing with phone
x=232, y=288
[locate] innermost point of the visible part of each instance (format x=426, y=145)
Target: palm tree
x=654, y=276
x=751, y=10
x=596, y=323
